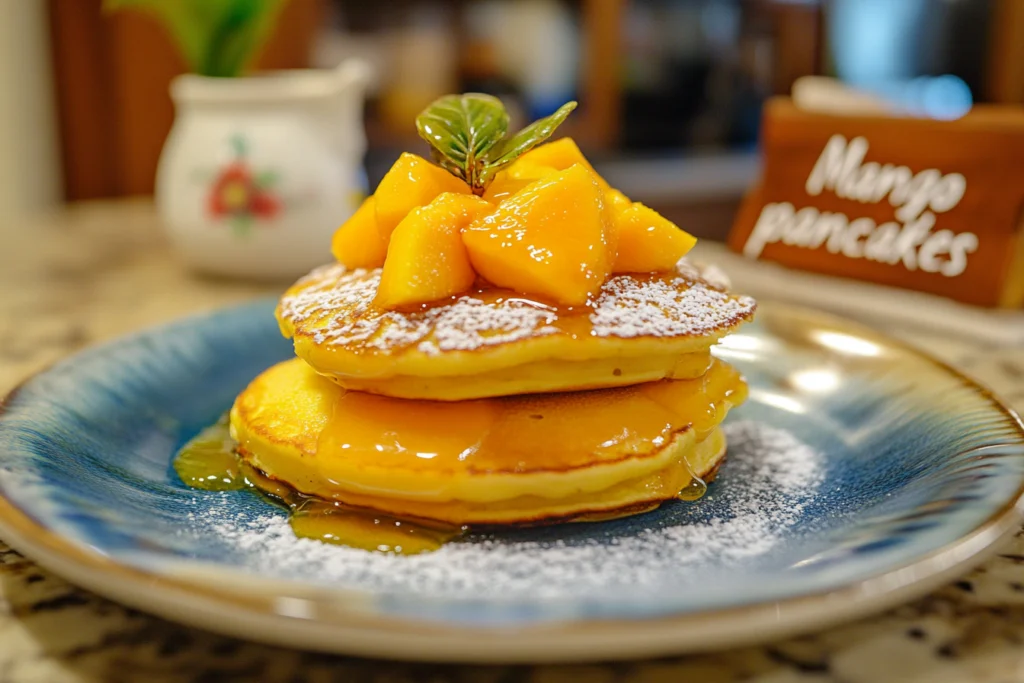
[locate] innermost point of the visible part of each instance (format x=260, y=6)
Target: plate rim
x=266, y=619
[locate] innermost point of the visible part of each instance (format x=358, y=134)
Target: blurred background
x=670, y=91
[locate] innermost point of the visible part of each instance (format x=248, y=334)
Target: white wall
x=29, y=157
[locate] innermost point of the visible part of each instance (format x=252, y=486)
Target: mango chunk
x=560, y=155
x=548, y=239
x=426, y=258
x=514, y=178
x=411, y=182
x=615, y=200
x=647, y=241
x=357, y=243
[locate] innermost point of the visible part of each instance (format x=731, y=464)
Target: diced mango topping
x=616, y=200
x=560, y=155
x=357, y=243
x=426, y=260
x=647, y=242
x=547, y=239
x=411, y=182
x=547, y=225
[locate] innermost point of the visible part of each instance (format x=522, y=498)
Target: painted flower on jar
x=240, y=195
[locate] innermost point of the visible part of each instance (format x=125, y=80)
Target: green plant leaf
x=215, y=37
x=522, y=142
x=461, y=130
x=189, y=24
x=243, y=29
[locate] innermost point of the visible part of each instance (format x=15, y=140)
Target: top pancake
x=491, y=342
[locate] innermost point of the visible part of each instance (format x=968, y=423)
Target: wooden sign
x=922, y=204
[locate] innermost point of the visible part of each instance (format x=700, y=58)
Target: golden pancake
x=494, y=342
x=508, y=460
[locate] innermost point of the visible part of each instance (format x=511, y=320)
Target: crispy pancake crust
x=639, y=328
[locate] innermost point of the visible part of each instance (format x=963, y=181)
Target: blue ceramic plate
x=860, y=474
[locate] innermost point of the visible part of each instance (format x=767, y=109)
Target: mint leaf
x=522, y=142
x=466, y=134
x=461, y=130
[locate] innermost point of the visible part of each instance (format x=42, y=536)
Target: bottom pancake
x=634, y=496
x=512, y=460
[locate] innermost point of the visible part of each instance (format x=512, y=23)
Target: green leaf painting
x=467, y=135
x=215, y=37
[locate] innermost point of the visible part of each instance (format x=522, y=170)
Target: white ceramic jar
x=258, y=172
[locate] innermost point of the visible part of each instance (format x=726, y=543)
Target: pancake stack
x=581, y=388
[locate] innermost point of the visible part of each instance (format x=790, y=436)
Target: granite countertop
x=100, y=270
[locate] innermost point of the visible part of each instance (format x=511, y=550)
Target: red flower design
x=237, y=193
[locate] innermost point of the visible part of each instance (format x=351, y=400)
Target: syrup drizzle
x=210, y=462
x=695, y=490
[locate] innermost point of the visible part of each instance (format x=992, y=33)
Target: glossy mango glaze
x=645, y=241
x=358, y=243
x=503, y=460
x=550, y=239
x=411, y=182
x=426, y=259
x=559, y=154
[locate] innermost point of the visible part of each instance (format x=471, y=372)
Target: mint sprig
x=467, y=135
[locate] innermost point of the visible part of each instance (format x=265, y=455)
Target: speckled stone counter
x=98, y=271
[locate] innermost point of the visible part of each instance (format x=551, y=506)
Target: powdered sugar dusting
x=335, y=306
x=763, y=488
x=675, y=307
x=710, y=273
x=338, y=304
